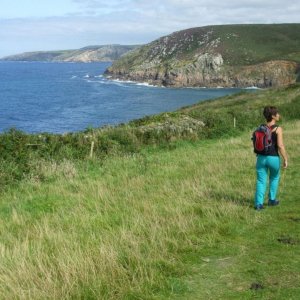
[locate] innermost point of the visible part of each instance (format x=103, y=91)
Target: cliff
x=228, y=56
x=87, y=54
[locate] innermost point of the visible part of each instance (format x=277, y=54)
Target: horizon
x=73, y=24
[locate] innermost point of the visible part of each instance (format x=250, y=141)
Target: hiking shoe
x=259, y=207
x=273, y=202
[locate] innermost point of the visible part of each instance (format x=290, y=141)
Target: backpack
x=262, y=139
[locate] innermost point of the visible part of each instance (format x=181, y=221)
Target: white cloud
x=135, y=21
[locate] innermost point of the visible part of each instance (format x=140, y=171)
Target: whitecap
x=133, y=82
x=253, y=88
x=145, y=84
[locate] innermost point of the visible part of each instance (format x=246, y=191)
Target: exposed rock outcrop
x=209, y=71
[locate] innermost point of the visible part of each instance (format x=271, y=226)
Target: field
x=161, y=217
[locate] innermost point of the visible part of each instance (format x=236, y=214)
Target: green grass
x=158, y=212
x=160, y=224
x=32, y=156
x=256, y=43
x=239, y=45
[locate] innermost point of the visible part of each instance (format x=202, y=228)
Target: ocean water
x=67, y=97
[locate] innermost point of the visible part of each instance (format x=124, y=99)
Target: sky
x=40, y=25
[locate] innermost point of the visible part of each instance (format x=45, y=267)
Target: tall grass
x=164, y=207
x=133, y=227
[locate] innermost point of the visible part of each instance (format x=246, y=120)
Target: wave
x=146, y=84
x=133, y=83
x=252, y=88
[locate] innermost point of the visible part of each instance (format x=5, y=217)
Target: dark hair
x=269, y=112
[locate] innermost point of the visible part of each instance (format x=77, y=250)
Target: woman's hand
x=285, y=164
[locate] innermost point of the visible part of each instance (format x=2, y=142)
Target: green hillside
x=224, y=55
x=238, y=44
x=162, y=210
x=258, y=43
x=37, y=56
x=22, y=155
x=86, y=54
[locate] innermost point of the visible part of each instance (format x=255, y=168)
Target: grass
x=24, y=155
x=240, y=45
x=159, y=224
x=155, y=214
x=256, y=43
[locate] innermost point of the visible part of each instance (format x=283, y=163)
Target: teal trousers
x=266, y=166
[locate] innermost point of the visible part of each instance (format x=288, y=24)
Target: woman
x=270, y=162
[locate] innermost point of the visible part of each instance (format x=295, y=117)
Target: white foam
x=145, y=84
x=195, y=87
x=253, y=88
x=133, y=82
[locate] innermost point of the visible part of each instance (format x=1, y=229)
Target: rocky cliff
x=87, y=54
x=228, y=56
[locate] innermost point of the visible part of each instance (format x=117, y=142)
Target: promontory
x=104, y=53
x=213, y=56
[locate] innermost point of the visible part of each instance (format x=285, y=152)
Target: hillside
x=21, y=154
x=211, y=56
x=87, y=54
x=163, y=210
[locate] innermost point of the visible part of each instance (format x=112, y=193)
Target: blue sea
x=66, y=97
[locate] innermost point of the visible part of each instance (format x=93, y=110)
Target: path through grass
x=163, y=224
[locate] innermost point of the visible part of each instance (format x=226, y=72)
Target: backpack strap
x=274, y=126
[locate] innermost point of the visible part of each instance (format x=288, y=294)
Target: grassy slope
x=239, y=45
x=19, y=160
x=155, y=225
x=264, y=251
x=59, y=55
x=38, y=55
x=251, y=44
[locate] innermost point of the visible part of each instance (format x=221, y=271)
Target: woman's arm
x=281, y=148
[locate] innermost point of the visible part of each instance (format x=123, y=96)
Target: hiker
x=268, y=160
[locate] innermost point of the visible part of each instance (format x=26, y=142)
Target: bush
x=20, y=153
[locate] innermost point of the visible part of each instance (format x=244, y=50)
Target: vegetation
x=21, y=154
x=255, y=43
x=153, y=214
x=89, y=53
x=239, y=45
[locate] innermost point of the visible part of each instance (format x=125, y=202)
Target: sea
x=38, y=97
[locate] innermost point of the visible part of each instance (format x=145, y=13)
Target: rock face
x=88, y=54
x=214, y=56
x=209, y=71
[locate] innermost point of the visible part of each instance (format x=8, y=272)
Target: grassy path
x=164, y=224
x=261, y=260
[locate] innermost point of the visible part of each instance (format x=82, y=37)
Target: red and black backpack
x=262, y=139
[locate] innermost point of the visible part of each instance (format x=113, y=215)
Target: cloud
x=135, y=21
x=180, y=14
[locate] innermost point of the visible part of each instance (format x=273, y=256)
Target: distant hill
x=225, y=55
x=86, y=54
